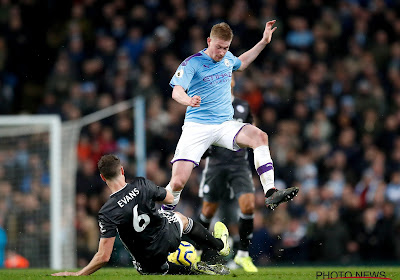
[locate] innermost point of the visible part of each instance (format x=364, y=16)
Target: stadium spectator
x=350, y=71
x=329, y=238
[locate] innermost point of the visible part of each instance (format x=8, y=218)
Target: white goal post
x=14, y=126
x=53, y=145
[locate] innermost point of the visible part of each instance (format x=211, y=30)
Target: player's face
x=217, y=48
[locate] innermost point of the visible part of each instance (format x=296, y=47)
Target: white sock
x=264, y=166
x=242, y=254
x=176, y=194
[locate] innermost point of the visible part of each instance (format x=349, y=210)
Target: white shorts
x=196, y=138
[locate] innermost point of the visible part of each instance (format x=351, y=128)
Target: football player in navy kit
x=147, y=233
x=227, y=176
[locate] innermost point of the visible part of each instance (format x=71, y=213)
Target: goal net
x=30, y=185
x=38, y=168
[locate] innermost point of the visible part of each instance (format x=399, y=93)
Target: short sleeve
x=107, y=227
x=157, y=193
x=236, y=63
x=184, y=74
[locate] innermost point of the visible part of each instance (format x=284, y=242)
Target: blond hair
x=221, y=31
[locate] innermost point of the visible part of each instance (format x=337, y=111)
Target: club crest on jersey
x=227, y=63
x=240, y=108
x=179, y=73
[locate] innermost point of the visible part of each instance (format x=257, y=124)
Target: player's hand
x=267, y=36
x=195, y=101
x=65, y=273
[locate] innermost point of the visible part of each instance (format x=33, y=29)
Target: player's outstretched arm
x=180, y=95
x=99, y=260
x=249, y=56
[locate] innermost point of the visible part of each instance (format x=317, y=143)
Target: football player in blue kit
x=148, y=234
x=203, y=83
x=227, y=177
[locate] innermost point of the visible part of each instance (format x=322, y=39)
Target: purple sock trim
x=168, y=207
x=264, y=168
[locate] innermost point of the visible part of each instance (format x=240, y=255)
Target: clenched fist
x=195, y=101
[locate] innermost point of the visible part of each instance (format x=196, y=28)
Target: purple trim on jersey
x=234, y=138
x=185, y=62
x=181, y=159
x=264, y=168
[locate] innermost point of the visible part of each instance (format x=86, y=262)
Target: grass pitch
x=265, y=273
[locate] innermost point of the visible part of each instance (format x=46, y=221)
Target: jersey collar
x=207, y=56
x=119, y=190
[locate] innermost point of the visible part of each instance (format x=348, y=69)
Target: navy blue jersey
x=131, y=212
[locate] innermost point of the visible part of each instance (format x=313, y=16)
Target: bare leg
x=253, y=137
x=207, y=213
x=181, y=171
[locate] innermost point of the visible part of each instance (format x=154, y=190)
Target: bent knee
x=209, y=209
x=247, y=204
x=177, y=183
x=262, y=137
x=247, y=209
x=258, y=138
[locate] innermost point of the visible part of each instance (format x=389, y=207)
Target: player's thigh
x=152, y=258
x=194, y=141
x=213, y=185
x=181, y=171
x=227, y=133
x=172, y=232
x=228, y=212
x=251, y=137
x=241, y=181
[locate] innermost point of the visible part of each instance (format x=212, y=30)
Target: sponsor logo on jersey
x=215, y=77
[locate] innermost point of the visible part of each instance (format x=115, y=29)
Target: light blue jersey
x=200, y=75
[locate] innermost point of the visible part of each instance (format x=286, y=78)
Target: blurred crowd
x=326, y=90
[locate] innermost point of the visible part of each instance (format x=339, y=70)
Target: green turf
x=266, y=273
